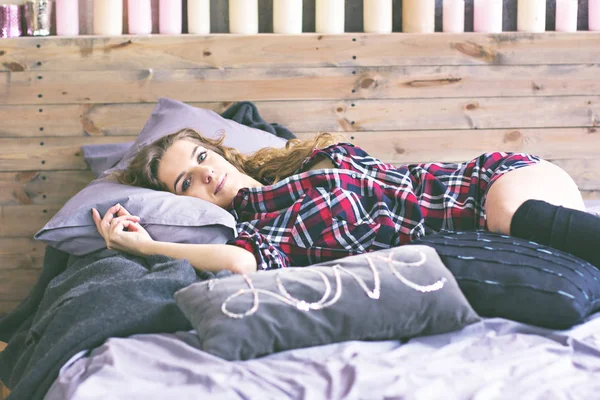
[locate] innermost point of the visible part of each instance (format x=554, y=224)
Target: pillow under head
x=167, y=217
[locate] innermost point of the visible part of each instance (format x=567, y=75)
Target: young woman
x=315, y=200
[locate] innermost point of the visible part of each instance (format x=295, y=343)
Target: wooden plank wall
x=403, y=97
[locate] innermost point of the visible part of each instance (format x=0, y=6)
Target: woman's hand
x=123, y=231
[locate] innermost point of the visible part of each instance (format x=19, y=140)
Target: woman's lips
x=221, y=184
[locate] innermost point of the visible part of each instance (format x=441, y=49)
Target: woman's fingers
x=132, y=226
x=116, y=222
x=110, y=214
x=122, y=211
x=96, y=217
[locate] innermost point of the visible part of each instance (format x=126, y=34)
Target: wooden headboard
x=402, y=97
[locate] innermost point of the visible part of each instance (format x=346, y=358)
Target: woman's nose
x=205, y=173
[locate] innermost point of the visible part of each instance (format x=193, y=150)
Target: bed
x=434, y=98
x=492, y=359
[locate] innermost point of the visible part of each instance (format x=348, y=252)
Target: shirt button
x=353, y=176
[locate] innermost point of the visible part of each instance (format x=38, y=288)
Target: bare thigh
x=544, y=181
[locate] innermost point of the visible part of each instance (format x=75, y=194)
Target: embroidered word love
x=327, y=300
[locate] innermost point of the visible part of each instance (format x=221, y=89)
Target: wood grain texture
x=405, y=147
x=76, y=119
x=61, y=153
x=256, y=84
x=17, y=283
x=306, y=50
x=50, y=153
x=24, y=221
x=21, y=253
x=321, y=115
x=404, y=98
x=41, y=187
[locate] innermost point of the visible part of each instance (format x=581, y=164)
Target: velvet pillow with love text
x=389, y=294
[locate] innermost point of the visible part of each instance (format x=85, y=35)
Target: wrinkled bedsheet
x=492, y=359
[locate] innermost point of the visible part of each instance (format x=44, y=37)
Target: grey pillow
x=101, y=157
x=418, y=296
x=167, y=217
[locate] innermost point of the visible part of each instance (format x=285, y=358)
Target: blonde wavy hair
x=266, y=165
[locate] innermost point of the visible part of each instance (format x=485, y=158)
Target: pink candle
x=139, y=17
x=487, y=16
x=594, y=15
x=453, y=13
x=170, y=17
x=67, y=17
x=566, y=15
x=10, y=20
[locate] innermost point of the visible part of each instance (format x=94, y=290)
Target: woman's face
x=190, y=169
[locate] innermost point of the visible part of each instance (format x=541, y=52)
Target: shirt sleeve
x=267, y=254
x=342, y=155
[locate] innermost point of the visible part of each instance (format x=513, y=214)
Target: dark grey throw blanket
x=246, y=113
x=78, y=303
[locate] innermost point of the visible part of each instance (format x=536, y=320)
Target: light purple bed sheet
x=492, y=359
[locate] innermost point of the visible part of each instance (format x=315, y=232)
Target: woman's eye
x=185, y=185
x=201, y=157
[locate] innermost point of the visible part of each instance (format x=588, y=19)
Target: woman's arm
x=205, y=257
x=124, y=233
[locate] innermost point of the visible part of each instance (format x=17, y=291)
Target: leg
x=544, y=181
x=541, y=203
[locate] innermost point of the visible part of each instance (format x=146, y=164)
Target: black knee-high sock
x=565, y=229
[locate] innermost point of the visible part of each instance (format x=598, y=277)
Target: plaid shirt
x=362, y=205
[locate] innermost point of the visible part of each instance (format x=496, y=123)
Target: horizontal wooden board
x=24, y=221
x=314, y=116
x=591, y=194
x=49, y=153
x=41, y=187
x=306, y=50
x=60, y=153
x=78, y=119
x=17, y=283
x=21, y=253
x=135, y=86
x=398, y=147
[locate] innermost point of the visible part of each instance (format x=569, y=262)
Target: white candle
x=418, y=16
x=139, y=17
x=566, y=15
x=198, y=16
x=108, y=17
x=531, y=16
x=330, y=17
x=67, y=17
x=287, y=16
x=377, y=16
x=453, y=16
x=594, y=15
x=243, y=16
x=487, y=16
